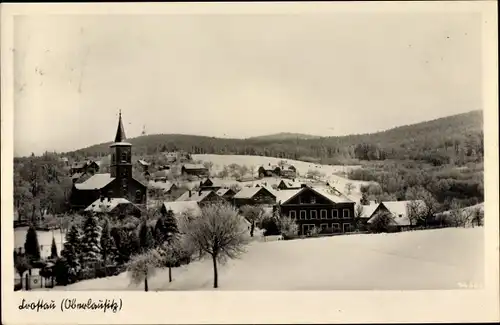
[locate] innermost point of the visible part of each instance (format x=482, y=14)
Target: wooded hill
x=455, y=140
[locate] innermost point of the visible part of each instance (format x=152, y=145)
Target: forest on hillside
x=443, y=158
x=455, y=140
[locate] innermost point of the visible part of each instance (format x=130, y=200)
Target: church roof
x=120, y=132
x=96, y=182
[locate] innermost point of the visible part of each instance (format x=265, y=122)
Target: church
x=119, y=183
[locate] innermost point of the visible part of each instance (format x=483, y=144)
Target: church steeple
x=120, y=132
x=121, y=156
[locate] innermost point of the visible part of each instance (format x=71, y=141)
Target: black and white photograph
x=314, y=151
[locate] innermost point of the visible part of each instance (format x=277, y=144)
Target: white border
x=265, y=307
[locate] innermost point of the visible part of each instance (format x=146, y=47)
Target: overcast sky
x=238, y=75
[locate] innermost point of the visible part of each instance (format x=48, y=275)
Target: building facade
x=313, y=208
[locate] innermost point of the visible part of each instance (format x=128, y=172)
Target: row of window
x=346, y=227
x=323, y=214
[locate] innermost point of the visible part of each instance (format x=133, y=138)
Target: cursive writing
x=101, y=304
x=37, y=306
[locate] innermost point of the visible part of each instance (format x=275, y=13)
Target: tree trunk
x=216, y=282
x=146, y=283
x=252, y=228
x=169, y=274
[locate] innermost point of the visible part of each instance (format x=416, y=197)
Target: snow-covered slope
x=430, y=259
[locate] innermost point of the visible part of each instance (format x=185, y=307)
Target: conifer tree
x=171, y=230
x=108, y=247
x=159, y=233
x=90, y=245
x=53, y=249
x=72, y=250
x=31, y=246
x=146, y=239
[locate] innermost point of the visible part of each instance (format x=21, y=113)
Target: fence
x=29, y=282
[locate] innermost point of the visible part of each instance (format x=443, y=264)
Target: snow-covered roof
x=249, y=192
x=399, y=211
x=368, y=210
x=179, y=207
x=95, y=182
x=222, y=191
x=143, y=162
x=161, y=185
x=197, y=196
x=107, y=205
x=194, y=166
x=291, y=184
x=284, y=195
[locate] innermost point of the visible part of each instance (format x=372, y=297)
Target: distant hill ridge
x=403, y=142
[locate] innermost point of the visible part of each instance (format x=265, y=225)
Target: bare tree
x=416, y=211
x=219, y=232
x=349, y=187
x=477, y=217
x=358, y=213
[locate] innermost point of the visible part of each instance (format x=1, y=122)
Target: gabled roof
x=194, y=166
x=368, y=210
x=285, y=195
x=95, y=182
x=250, y=192
x=223, y=191
x=334, y=198
x=179, y=207
x=332, y=194
x=196, y=196
x=399, y=211
x=161, y=185
x=107, y=206
x=291, y=184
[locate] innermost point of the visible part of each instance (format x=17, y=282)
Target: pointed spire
x=120, y=132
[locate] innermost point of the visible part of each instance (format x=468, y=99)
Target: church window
x=124, y=156
x=138, y=196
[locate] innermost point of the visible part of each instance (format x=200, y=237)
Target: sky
x=238, y=75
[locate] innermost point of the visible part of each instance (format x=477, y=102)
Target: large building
x=326, y=210
x=119, y=183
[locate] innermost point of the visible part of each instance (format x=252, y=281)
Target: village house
x=118, y=207
x=119, y=183
x=269, y=171
x=166, y=187
x=226, y=193
x=254, y=196
x=321, y=208
x=400, y=211
x=289, y=185
x=143, y=164
x=88, y=166
x=194, y=170
x=181, y=207
x=201, y=197
x=216, y=184
x=161, y=175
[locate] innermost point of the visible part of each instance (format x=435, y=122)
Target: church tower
x=121, y=158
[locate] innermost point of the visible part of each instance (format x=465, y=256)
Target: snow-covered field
x=219, y=161
x=430, y=259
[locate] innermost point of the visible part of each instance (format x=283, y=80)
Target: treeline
x=398, y=181
x=455, y=140
x=41, y=185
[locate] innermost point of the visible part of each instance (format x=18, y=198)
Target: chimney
x=189, y=193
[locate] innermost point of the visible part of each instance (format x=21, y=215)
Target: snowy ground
x=219, y=161
x=430, y=259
